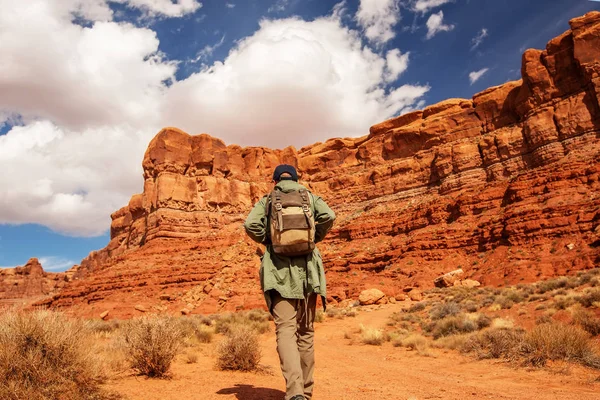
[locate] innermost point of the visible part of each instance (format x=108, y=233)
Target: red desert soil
x=348, y=371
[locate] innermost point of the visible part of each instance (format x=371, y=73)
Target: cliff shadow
x=250, y=392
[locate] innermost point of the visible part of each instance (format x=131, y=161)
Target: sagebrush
x=45, y=355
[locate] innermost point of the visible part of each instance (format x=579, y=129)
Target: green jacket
x=292, y=277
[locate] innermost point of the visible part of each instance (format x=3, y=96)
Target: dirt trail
x=348, y=371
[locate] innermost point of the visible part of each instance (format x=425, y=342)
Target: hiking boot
x=298, y=397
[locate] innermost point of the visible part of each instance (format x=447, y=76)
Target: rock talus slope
x=504, y=186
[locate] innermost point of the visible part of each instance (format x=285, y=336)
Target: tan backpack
x=291, y=223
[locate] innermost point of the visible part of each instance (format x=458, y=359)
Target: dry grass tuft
x=452, y=326
x=151, y=344
x=258, y=320
x=588, y=321
x=494, y=343
x=239, y=350
x=556, y=341
x=372, y=336
x=418, y=343
x=45, y=355
x=444, y=310
x=191, y=358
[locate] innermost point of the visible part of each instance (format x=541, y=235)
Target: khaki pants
x=294, y=324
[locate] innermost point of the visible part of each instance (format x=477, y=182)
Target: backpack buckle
x=305, y=208
x=278, y=206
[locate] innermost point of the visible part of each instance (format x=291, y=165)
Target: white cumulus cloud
x=378, y=19
x=424, y=6
x=397, y=63
x=89, y=100
x=311, y=80
x=435, y=25
x=476, y=75
x=169, y=8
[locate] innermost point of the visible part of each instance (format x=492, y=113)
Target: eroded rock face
x=496, y=185
x=28, y=282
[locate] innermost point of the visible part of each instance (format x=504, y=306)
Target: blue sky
x=81, y=97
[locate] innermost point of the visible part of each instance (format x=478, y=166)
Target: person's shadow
x=249, y=392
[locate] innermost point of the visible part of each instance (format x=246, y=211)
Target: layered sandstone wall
x=29, y=281
x=505, y=185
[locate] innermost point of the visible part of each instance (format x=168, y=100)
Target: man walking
x=290, y=221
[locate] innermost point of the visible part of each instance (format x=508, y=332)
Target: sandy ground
x=347, y=370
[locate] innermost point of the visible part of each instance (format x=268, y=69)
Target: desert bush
x=482, y=320
x=350, y=313
x=151, y=344
x=515, y=296
x=471, y=306
x=454, y=342
x=420, y=306
x=536, y=297
x=196, y=327
x=102, y=327
x=589, y=297
x=416, y=342
x=191, y=358
x=255, y=319
x=204, y=334
x=556, y=341
x=494, y=343
x=588, y=321
x=319, y=316
x=240, y=350
x=488, y=301
x=452, y=326
x=552, y=284
x=444, y=310
x=504, y=302
x=45, y=355
x=563, y=302
x=372, y=336
x=202, y=319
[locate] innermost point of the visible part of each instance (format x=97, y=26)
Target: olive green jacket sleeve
x=256, y=222
x=324, y=217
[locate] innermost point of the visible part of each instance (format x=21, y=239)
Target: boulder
x=448, y=279
x=370, y=296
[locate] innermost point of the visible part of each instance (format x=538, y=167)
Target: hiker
x=289, y=221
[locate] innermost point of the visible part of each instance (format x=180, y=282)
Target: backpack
x=291, y=222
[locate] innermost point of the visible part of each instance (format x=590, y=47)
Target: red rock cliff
x=505, y=185
x=21, y=284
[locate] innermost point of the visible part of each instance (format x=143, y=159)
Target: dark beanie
x=282, y=169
